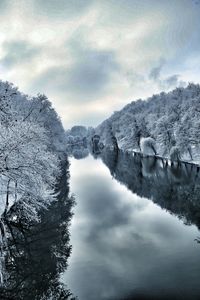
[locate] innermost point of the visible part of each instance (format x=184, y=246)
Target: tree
x=111, y=140
x=172, y=119
x=148, y=145
x=30, y=151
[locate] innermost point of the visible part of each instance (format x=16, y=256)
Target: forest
x=167, y=124
x=34, y=163
x=31, y=142
x=34, y=150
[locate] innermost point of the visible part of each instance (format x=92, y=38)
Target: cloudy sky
x=92, y=57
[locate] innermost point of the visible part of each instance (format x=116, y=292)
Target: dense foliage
x=31, y=148
x=30, y=140
x=79, y=135
x=171, y=119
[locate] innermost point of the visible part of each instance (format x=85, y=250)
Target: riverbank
x=166, y=160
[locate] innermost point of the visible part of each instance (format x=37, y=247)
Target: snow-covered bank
x=171, y=119
x=165, y=160
x=31, y=137
x=31, y=145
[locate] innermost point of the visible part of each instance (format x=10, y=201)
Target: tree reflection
x=37, y=253
x=175, y=188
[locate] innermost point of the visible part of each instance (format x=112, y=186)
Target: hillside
x=171, y=119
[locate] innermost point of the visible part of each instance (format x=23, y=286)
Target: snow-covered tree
x=148, y=145
x=111, y=140
x=27, y=162
x=30, y=146
x=172, y=119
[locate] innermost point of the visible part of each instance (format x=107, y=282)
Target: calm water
x=134, y=229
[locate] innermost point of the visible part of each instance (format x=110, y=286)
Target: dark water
x=33, y=254
x=135, y=230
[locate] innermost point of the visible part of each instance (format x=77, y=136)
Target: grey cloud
x=88, y=118
x=18, y=52
x=173, y=80
x=92, y=72
x=3, y=6
x=62, y=8
x=165, y=83
x=86, y=78
x=134, y=78
x=123, y=12
x=155, y=72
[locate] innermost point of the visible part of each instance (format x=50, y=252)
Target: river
x=135, y=229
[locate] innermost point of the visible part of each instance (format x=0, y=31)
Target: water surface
x=134, y=229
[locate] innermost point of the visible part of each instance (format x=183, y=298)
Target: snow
x=170, y=119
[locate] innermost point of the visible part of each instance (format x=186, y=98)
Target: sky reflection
x=125, y=245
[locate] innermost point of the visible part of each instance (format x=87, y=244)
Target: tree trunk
x=7, y=198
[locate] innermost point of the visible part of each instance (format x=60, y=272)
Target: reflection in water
x=126, y=246
x=175, y=188
x=37, y=253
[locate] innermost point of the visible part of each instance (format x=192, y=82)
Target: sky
x=92, y=57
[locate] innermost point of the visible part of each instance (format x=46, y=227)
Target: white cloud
x=92, y=57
